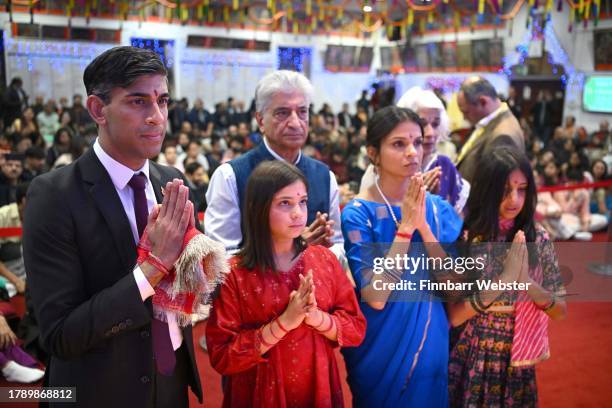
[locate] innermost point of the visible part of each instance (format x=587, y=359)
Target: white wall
x=210, y=74
x=579, y=47
x=215, y=75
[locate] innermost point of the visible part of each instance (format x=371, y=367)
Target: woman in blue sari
x=404, y=357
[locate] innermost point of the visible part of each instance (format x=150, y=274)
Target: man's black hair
x=119, y=67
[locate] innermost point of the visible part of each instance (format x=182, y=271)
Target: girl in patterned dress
x=284, y=307
x=498, y=337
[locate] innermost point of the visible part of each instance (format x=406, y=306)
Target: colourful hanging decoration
x=481, y=6
x=457, y=20
x=435, y=12
x=226, y=15
x=587, y=11
x=124, y=9
x=88, y=11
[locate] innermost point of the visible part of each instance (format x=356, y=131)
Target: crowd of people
x=46, y=135
x=302, y=201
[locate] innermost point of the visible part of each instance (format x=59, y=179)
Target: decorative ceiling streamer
x=318, y=16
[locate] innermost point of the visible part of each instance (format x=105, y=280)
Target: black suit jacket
x=79, y=254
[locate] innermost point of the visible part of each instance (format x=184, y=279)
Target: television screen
x=597, y=94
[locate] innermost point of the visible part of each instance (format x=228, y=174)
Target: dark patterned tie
x=162, y=345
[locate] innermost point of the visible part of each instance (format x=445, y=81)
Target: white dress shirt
x=222, y=219
x=121, y=175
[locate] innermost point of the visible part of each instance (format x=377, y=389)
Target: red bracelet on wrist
x=403, y=235
x=156, y=263
x=281, y=326
x=262, y=340
x=274, y=335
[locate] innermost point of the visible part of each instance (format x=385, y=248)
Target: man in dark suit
x=494, y=123
x=543, y=116
x=15, y=101
x=92, y=300
x=345, y=120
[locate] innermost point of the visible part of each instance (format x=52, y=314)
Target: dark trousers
x=171, y=392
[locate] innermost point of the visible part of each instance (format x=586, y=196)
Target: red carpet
x=578, y=374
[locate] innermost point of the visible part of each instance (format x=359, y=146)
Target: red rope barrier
x=552, y=189
x=17, y=232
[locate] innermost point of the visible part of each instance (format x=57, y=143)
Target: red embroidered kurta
x=299, y=371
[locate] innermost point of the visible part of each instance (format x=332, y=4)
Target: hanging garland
x=417, y=7
x=317, y=14
x=512, y=13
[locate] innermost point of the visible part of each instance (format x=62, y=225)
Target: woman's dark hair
x=119, y=67
x=575, y=174
x=488, y=191
x=266, y=180
x=551, y=181
x=58, y=133
x=385, y=120
x=605, y=175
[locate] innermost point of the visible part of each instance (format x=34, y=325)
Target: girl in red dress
x=284, y=306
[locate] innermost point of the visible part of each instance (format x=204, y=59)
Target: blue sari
x=403, y=361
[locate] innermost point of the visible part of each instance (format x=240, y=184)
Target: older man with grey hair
x=494, y=123
x=282, y=99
